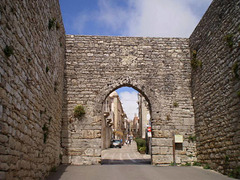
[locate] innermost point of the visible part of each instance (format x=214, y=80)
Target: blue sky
x=129, y=98
x=152, y=18
x=147, y=18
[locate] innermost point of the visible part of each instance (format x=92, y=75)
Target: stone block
x=3, y=138
x=162, y=159
x=161, y=150
x=82, y=160
x=161, y=142
x=189, y=122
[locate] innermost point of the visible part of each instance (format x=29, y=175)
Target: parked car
x=116, y=143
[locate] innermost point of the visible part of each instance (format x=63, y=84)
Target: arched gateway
x=159, y=68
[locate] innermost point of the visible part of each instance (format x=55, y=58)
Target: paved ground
x=126, y=163
x=128, y=154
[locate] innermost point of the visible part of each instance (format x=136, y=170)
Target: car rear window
x=116, y=140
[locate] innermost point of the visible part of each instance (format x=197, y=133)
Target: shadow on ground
x=57, y=175
x=126, y=162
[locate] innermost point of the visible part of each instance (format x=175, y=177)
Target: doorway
x=126, y=128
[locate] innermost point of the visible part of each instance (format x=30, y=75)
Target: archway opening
x=126, y=127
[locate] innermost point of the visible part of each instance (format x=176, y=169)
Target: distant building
x=114, y=125
x=144, y=115
x=135, y=127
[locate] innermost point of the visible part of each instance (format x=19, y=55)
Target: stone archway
x=114, y=85
x=121, y=82
x=159, y=68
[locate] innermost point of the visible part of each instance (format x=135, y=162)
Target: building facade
x=144, y=115
x=114, y=125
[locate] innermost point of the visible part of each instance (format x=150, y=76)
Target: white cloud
x=80, y=22
x=160, y=18
x=129, y=103
x=153, y=18
x=111, y=15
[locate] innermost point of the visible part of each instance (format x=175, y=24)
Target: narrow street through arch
x=125, y=139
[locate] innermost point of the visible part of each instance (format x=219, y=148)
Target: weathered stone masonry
x=32, y=82
x=215, y=86
x=158, y=67
x=31, y=85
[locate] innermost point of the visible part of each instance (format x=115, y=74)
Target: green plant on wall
x=235, y=173
x=51, y=23
x=191, y=138
x=194, y=54
x=175, y=104
x=57, y=25
x=235, y=69
x=229, y=39
x=206, y=166
x=226, y=159
x=8, y=51
x=195, y=163
x=238, y=93
x=78, y=111
x=195, y=63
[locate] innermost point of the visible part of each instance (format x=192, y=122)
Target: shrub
x=206, y=166
x=140, y=143
x=196, y=163
x=79, y=111
x=142, y=150
x=186, y=164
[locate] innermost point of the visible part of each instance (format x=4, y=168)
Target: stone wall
x=32, y=49
x=216, y=86
x=159, y=68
